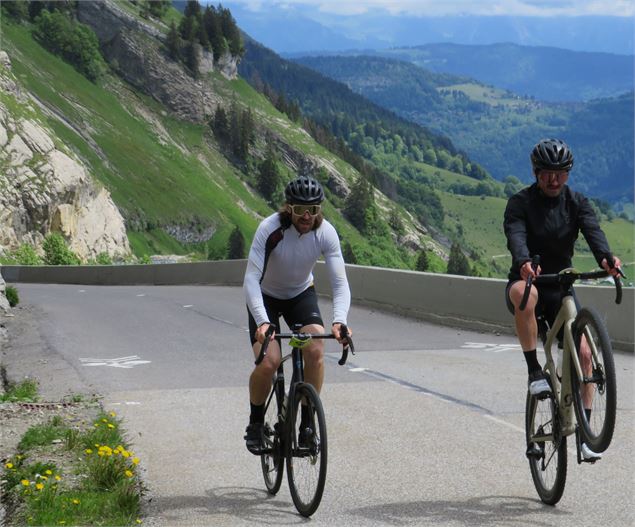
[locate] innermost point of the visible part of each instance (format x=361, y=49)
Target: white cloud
x=458, y=7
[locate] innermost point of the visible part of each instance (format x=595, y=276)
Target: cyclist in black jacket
x=545, y=219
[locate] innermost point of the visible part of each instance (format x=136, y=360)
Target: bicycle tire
x=272, y=462
x=597, y=432
x=549, y=470
x=306, y=466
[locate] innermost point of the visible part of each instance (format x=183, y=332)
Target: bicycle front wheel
x=272, y=461
x=598, y=391
x=546, y=449
x=307, y=451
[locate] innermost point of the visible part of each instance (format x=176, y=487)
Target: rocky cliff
x=134, y=50
x=44, y=188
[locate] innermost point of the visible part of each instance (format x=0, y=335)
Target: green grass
x=100, y=488
x=25, y=391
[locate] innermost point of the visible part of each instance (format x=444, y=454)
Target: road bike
x=585, y=380
x=304, y=449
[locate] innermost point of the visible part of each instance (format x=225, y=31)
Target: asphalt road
x=425, y=423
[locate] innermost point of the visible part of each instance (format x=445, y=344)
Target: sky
x=461, y=7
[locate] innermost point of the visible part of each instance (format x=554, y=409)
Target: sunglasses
x=547, y=175
x=301, y=210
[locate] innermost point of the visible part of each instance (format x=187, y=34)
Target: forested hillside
x=498, y=128
x=544, y=73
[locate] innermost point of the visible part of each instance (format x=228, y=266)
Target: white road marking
x=494, y=348
x=121, y=362
x=189, y=305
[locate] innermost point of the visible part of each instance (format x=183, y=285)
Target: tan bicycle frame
x=563, y=391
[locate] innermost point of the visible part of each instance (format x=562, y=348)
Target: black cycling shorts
x=301, y=310
x=549, y=300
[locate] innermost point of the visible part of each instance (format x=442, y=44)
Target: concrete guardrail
x=467, y=302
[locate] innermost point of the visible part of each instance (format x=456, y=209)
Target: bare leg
x=261, y=377
x=588, y=390
x=526, y=326
x=313, y=356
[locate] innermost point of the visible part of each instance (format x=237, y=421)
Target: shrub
x=26, y=255
x=12, y=295
x=76, y=43
x=56, y=252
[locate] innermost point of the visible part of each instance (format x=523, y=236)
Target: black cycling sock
x=257, y=413
x=305, y=416
x=587, y=412
x=532, y=361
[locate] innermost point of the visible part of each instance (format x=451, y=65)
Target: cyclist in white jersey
x=279, y=281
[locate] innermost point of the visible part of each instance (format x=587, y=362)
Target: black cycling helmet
x=551, y=154
x=304, y=190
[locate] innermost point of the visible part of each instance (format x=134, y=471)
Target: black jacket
x=536, y=224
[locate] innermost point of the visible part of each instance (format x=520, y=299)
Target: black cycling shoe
x=535, y=451
x=254, y=438
x=306, y=437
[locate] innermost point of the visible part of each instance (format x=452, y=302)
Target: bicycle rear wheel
x=548, y=460
x=272, y=461
x=599, y=390
x=306, y=462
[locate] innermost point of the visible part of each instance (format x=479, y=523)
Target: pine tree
x=220, y=124
x=268, y=178
x=348, y=253
x=174, y=42
x=457, y=263
x=359, y=204
x=422, y=261
x=212, y=23
x=236, y=245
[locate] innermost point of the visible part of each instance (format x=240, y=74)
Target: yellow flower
x=101, y=453
x=39, y=486
x=112, y=414
x=19, y=456
x=62, y=522
x=104, y=420
x=111, y=426
x=138, y=520
x=76, y=501
x=128, y=473
x=96, y=425
x=88, y=451
x=135, y=460
x=44, y=478
x=96, y=445
x=25, y=482
x=48, y=473
x=58, y=478
x=9, y=465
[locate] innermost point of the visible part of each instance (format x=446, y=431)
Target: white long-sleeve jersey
x=290, y=267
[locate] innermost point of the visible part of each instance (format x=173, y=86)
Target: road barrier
x=467, y=302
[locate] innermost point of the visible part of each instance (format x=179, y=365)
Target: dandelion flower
x=76, y=501
x=111, y=426
x=112, y=414
x=58, y=478
x=135, y=460
x=49, y=472
x=138, y=520
x=9, y=466
x=25, y=482
x=125, y=453
x=88, y=451
x=104, y=420
x=128, y=473
x=39, y=486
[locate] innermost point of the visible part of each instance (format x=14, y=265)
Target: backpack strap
x=272, y=242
